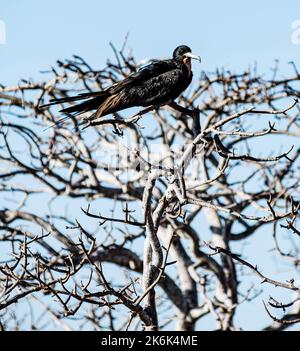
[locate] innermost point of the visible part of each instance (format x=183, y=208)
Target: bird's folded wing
x=152, y=70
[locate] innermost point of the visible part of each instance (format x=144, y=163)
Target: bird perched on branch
x=156, y=84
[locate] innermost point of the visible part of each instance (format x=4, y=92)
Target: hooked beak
x=192, y=56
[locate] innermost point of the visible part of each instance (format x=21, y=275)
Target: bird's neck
x=188, y=64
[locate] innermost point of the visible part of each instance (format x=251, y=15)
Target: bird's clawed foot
x=135, y=118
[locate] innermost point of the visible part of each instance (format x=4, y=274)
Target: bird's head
x=183, y=54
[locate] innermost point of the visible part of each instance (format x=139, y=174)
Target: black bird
x=156, y=84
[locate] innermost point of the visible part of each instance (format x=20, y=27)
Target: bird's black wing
x=134, y=90
x=163, y=88
x=155, y=84
x=153, y=69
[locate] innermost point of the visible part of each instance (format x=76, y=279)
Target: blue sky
x=228, y=34
x=231, y=34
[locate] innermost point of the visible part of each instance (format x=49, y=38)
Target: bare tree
x=129, y=224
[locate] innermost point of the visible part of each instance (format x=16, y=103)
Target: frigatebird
x=154, y=85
